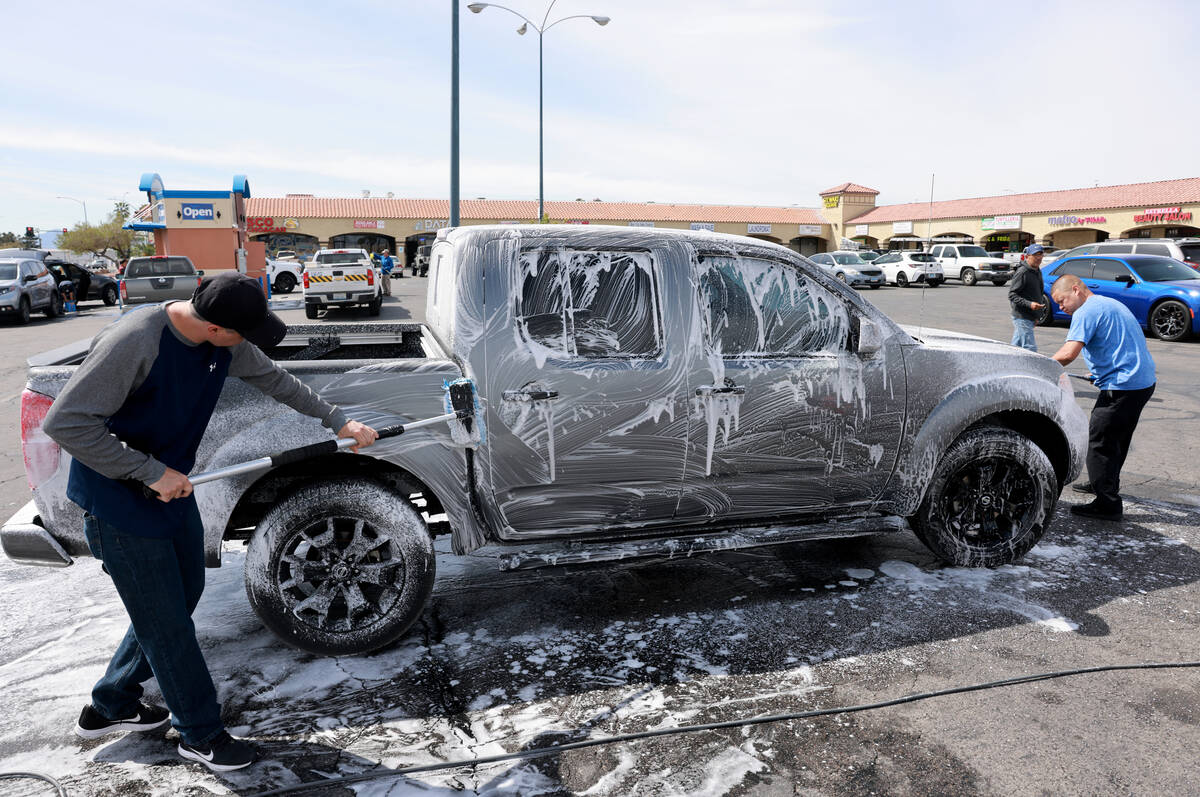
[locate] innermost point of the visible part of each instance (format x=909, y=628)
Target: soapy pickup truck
x=644, y=393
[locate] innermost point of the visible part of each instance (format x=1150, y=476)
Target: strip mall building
x=304, y=223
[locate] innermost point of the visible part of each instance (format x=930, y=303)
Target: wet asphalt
x=512, y=661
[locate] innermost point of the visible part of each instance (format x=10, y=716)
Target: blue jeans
x=1023, y=334
x=160, y=582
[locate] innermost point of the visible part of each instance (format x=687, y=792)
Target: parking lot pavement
x=503, y=662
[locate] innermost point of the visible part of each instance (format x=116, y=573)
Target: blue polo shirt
x=1114, y=346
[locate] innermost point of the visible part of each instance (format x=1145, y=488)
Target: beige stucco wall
x=1117, y=222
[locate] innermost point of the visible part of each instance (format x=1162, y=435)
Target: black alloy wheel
x=990, y=500
x=340, y=567
x=901, y=280
x=1045, y=316
x=1170, y=321
x=109, y=295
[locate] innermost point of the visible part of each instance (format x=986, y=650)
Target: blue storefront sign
x=197, y=211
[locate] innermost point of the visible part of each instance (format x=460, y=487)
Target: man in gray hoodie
x=1025, y=296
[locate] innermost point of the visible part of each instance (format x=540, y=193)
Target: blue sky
x=756, y=102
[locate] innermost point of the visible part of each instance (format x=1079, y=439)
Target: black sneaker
x=92, y=724
x=1094, y=510
x=223, y=754
x=1084, y=487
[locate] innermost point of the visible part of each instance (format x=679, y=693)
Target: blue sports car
x=1163, y=293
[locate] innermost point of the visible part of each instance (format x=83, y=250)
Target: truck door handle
x=728, y=390
x=530, y=395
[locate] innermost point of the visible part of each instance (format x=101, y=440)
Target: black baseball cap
x=234, y=301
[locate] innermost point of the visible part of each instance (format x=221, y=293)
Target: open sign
x=197, y=211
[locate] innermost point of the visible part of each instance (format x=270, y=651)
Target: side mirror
x=870, y=337
x=199, y=273
x=28, y=278
x=1126, y=278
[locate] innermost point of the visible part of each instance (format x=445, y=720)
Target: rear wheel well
x=1043, y=431
x=273, y=486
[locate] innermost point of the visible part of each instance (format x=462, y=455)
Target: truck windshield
x=339, y=259
x=8, y=271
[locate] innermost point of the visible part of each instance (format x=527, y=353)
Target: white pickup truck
x=971, y=263
x=284, y=272
x=342, y=278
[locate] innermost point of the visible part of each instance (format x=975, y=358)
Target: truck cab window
x=761, y=308
x=590, y=304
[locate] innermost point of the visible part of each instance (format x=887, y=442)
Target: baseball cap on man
x=234, y=301
x=1034, y=249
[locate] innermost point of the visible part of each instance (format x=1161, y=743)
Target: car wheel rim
x=340, y=575
x=989, y=501
x=1169, y=321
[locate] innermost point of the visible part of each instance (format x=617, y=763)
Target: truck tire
x=311, y=310
x=285, y=283
x=109, y=295
x=968, y=276
x=341, y=567
x=990, y=500
x=374, y=307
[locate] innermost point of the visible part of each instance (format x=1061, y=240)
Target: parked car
x=342, y=278
x=869, y=255
x=1162, y=292
x=1185, y=249
x=904, y=268
x=971, y=263
x=158, y=279
x=630, y=381
x=88, y=285
x=849, y=268
x=27, y=286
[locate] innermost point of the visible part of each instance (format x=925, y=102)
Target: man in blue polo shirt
x=1114, y=348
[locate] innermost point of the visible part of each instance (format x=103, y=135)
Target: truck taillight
x=305, y=275
x=371, y=276
x=40, y=452
x=124, y=292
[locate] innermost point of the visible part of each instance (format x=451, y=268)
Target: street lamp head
x=601, y=21
x=476, y=7
x=521, y=30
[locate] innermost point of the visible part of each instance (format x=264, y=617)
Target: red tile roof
x=524, y=210
x=848, y=188
x=1165, y=192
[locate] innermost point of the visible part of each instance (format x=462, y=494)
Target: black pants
x=1110, y=431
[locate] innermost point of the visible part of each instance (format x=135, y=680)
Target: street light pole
x=454, y=113
x=541, y=30
x=80, y=201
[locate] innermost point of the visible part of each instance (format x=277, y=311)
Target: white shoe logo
x=206, y=756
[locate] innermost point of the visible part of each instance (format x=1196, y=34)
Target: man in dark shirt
x=133, y=414
x=1025, y=296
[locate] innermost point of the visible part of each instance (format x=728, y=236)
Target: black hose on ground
x=798, y=715
x=35, y=776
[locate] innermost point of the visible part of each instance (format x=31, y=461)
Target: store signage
x=291, y=224
x=429, y=224
x=641, y=224
x=1066, y=221
x=1000, y=223
x=704, y=225
x=266, y=224
x=809, y=229
x=758, y=228
x=360, y=224
x=1162, y=214
x=862, y=229
x=901, y=228
x=160, y=213
x=832, y=201
x=197, y=211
